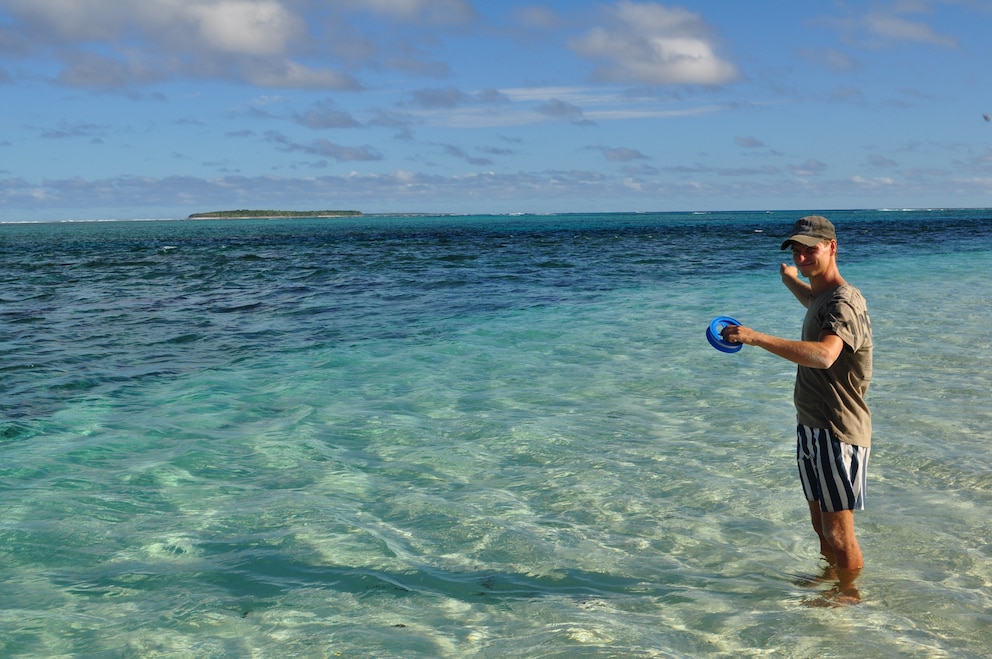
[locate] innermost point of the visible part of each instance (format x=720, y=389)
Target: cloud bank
x=653, y=44
x=113, y=44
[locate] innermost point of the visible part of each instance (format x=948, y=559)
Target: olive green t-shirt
x=834, y=398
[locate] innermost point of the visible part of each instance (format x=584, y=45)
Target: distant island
x=247, y=214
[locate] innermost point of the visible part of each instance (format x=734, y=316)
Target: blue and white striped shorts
x=832, y=472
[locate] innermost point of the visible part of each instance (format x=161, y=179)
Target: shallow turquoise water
x=474, y=436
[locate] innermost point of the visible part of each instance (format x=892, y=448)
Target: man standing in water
x=835, y=369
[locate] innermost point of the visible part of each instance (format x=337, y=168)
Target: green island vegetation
x=249, y=214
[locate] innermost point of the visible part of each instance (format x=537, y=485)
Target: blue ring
x=717, y=341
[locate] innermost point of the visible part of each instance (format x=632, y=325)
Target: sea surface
x=476, y=436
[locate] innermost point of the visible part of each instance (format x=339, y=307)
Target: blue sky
x=161, y=108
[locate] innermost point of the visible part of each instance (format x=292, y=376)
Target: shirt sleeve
x=843, y=319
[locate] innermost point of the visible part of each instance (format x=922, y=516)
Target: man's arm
x=821, y=353
x=799, y=288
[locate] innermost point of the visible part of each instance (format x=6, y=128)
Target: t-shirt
x=834, y=398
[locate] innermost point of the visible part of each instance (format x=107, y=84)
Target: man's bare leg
x=839, y=546
x=838, y=530
x=816, y=517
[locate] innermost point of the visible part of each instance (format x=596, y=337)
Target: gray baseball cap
x=810, y=231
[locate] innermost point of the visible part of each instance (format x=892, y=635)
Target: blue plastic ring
x=716, y=340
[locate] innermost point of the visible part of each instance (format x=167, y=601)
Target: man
x=835, y=369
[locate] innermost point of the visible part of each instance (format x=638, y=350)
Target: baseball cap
x=810, y=231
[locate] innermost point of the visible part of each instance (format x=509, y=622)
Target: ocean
x=476, y=436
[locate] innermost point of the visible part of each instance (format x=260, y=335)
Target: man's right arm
x=799, y=288
x=821, y=353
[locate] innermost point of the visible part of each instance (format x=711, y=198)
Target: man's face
x=813, y=260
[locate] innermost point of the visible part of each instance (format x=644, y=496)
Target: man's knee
x=838, y=528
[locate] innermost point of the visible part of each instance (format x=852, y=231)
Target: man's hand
x=738, y=334
x=799, y=288
x=788, y=271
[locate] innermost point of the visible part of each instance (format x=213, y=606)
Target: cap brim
x=808, y=241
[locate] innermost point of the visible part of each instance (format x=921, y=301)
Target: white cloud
x=522, y=106
x=115, y=44
x=897, y=28
x=888, y=24
x=653, y=44
x=235, y=26
x=878, y=181
x=245, y=27
x=546, y=93
x=288, y=74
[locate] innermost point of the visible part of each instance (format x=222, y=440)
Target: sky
x=117, y=109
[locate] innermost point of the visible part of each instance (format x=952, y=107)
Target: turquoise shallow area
x=475, y=436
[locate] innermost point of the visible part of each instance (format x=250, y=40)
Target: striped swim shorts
x=832, y=472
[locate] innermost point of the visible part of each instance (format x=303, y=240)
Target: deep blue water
x=474, y=436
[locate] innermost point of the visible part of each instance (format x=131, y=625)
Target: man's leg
x=833, y=477
x=816, y=517
x=838, y=529
x=840, y=548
